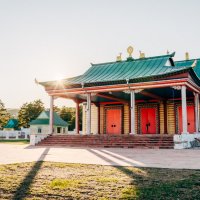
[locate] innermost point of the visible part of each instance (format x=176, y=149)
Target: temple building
x=137, y=96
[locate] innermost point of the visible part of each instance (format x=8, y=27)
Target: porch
x=144, y=118
x=163, y=111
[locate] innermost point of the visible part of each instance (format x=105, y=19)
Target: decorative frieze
x=136, y=91
x=178, y=87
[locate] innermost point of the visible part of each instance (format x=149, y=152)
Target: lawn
x=46, y=180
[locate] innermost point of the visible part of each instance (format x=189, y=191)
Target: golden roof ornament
x=187, y=56
x=130, y=51
x=142, y=54
x=194, y=64
x=119, y=58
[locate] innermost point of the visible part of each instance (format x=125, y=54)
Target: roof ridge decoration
x=142, y=54
x=130, y=51
x=194, y=64
x=193, y=59
x=145, y=58
x=119, y=58
x=187, y=57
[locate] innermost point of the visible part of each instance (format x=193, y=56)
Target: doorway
x=148, y=120
x=113, y=121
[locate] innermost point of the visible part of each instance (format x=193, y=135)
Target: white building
x=41, y=124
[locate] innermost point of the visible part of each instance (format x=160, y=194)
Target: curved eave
x=195, y=77
x=135, y=80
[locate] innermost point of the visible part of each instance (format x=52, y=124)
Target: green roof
x=135, y=70
x=189, y=63
x=12, y=123
x=43, y=119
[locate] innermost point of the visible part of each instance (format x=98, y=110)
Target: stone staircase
x=110, y=141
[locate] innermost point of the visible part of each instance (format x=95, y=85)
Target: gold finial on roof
x=142, y=54
x=130, y=51
x=119, y=58
x=187, y=56
x=194, y=64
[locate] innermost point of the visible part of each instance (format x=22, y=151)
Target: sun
x=59, y=77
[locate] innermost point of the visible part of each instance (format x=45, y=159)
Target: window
x=39, y=130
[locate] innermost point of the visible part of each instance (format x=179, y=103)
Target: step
x=105, y=141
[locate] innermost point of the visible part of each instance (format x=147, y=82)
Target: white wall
x=45, y=129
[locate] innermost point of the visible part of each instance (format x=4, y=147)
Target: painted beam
x=149, y=94
x=142, y=85
x=111, y=97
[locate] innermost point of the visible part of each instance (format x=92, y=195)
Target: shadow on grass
x=113, y=163
x=159, y=184
x=130, y=193
x=122, y=158
x=123, y=169
x=23, y=189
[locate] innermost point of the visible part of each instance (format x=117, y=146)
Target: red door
x=190, y=119
x=113, y=125
x=148, y=120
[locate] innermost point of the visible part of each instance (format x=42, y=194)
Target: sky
x=53, y=39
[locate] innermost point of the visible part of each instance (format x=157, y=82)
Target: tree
x=4, y=115
x=29, y=112
x=56, y=109
x=68, y=115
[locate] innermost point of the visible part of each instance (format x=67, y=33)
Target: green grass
x=47, y=180
x=13, y=141
x=65, y=183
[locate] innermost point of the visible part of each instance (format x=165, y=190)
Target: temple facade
x=137, y=96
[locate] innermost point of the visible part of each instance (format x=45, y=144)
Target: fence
x=22, y=134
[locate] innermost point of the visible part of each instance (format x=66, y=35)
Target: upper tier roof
x=134, y=70
x=189, y=63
